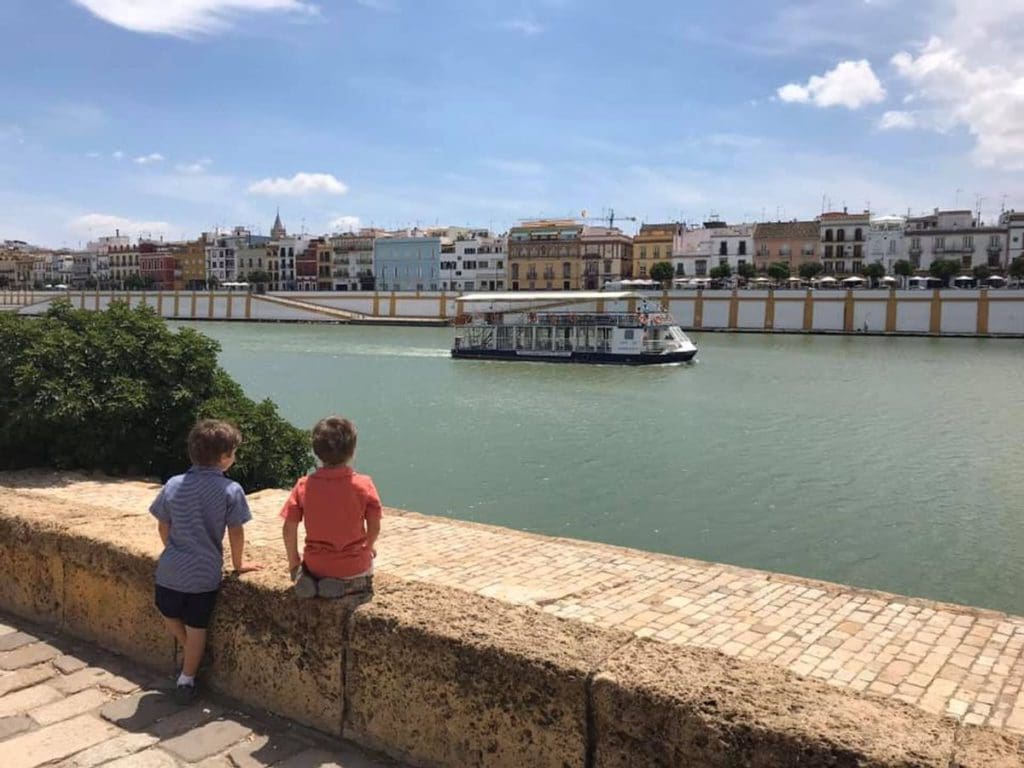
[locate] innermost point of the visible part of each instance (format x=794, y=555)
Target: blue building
x=407, y=263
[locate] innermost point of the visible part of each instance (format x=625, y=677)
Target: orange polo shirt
x=334, y=504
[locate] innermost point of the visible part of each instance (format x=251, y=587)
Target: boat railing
x=567, y=319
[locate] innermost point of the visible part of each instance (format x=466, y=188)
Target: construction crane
x=610, y=218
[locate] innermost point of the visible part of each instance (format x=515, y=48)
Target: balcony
x=915, y=250
x=995, y=249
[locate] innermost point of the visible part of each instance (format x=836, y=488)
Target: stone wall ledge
x=441, y=677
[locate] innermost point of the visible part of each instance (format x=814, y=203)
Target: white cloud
x=299, y=184
x=98, y=224
x=524, y=26
x=117, y=154
x=92, y=155
x=194, y=169
x=345, y=224
x=897, y=120
x=852, y=84
x=152, y=157
x=965, y=87
x=186, y=18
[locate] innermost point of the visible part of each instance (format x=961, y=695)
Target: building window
x=968, y=242
x=966, y=262
x=515, y=271
x=566, y=269
x=608, y=266
x=743, y=248
x=565, y=285
x=858, y=235
x=700, y=267
x=643, y=270
x=643, y=252
x=723, y=248
x=828, y=235
x=828, y=251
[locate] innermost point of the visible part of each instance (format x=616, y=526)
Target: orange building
x=651, y=245
x=786, y=242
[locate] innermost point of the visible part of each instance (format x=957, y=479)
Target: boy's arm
x=372, y=514
x=372, y=532
x=238, y=514
x=164, y=527
x=290, y=533
x=236, y=538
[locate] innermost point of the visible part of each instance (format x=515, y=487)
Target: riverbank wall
x=982, y=313
x=496, y=671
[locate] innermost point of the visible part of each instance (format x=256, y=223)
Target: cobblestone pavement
x=70, y=705
x=950, y=659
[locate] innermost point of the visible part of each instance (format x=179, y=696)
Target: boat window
x=629, y=335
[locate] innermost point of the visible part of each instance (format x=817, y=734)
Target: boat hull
x=598, y=358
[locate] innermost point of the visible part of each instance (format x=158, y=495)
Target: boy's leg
x=177, y=629
x=195, y=644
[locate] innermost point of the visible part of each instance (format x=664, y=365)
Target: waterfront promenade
x=945, y=659
x=72, y=705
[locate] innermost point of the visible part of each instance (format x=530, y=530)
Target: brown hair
x=211, y=440
x=334, y=440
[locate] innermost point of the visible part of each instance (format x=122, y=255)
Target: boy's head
x=213, y=443
x=334, y=441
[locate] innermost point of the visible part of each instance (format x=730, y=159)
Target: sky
x=173, y=117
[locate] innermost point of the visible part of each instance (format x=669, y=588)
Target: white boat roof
x=529, y=296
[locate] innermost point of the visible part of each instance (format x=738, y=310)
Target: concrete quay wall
x=439, y=676
x=937, y=313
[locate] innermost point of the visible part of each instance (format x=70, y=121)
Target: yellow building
x=545, y=255
x=651, y=245
x=191, y=271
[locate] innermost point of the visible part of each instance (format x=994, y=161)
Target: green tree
x=778, y=271
x=721, y=272
x=811, y=269
x=874, y=272
x=982, y=272
x=118, y=391
x=262, y=277
x=136, y=282
x=662, y=272
x=91, y=282
x=1017, y=268
x=945, y=270
x=903, y=268
x=745, y=270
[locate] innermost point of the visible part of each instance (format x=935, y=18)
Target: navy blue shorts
x=193, y=609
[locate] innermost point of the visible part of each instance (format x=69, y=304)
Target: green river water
x=895, y=464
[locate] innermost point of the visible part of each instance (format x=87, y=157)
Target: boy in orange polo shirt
x=341, y=511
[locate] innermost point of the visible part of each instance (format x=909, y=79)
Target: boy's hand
x=248, y=568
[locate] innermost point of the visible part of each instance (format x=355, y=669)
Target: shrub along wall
x=118, y=391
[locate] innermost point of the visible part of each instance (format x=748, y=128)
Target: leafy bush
x=117, y=391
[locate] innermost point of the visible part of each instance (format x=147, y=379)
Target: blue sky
x=174, y=116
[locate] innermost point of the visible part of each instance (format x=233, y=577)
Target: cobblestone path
x=69, y=705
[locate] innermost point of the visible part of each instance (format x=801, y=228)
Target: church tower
x=278, y=232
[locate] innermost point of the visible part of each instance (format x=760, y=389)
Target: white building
x=352, y=260
x=231, y=256
x=732, y=245
x=104, y=245
x=885, y=241
x=843, y=237
x=954, y=236
x=1013, y=223
x=473, y=260
x=691, y=252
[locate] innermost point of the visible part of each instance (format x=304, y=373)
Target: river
x=895, y=464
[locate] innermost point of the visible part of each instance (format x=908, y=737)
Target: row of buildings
x=547, y=254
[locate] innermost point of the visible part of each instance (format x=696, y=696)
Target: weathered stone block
x=663, y=705
x=268, y=649
x=109, y=601
x=987, y=748
x=441, y=677
x=31, y=571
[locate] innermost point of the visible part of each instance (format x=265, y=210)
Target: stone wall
x=440, y=677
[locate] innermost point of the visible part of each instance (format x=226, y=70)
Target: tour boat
x=568, y=327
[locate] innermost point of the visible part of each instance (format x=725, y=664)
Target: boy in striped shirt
x=193, y=511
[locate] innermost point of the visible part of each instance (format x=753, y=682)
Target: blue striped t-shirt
x=199, y=505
